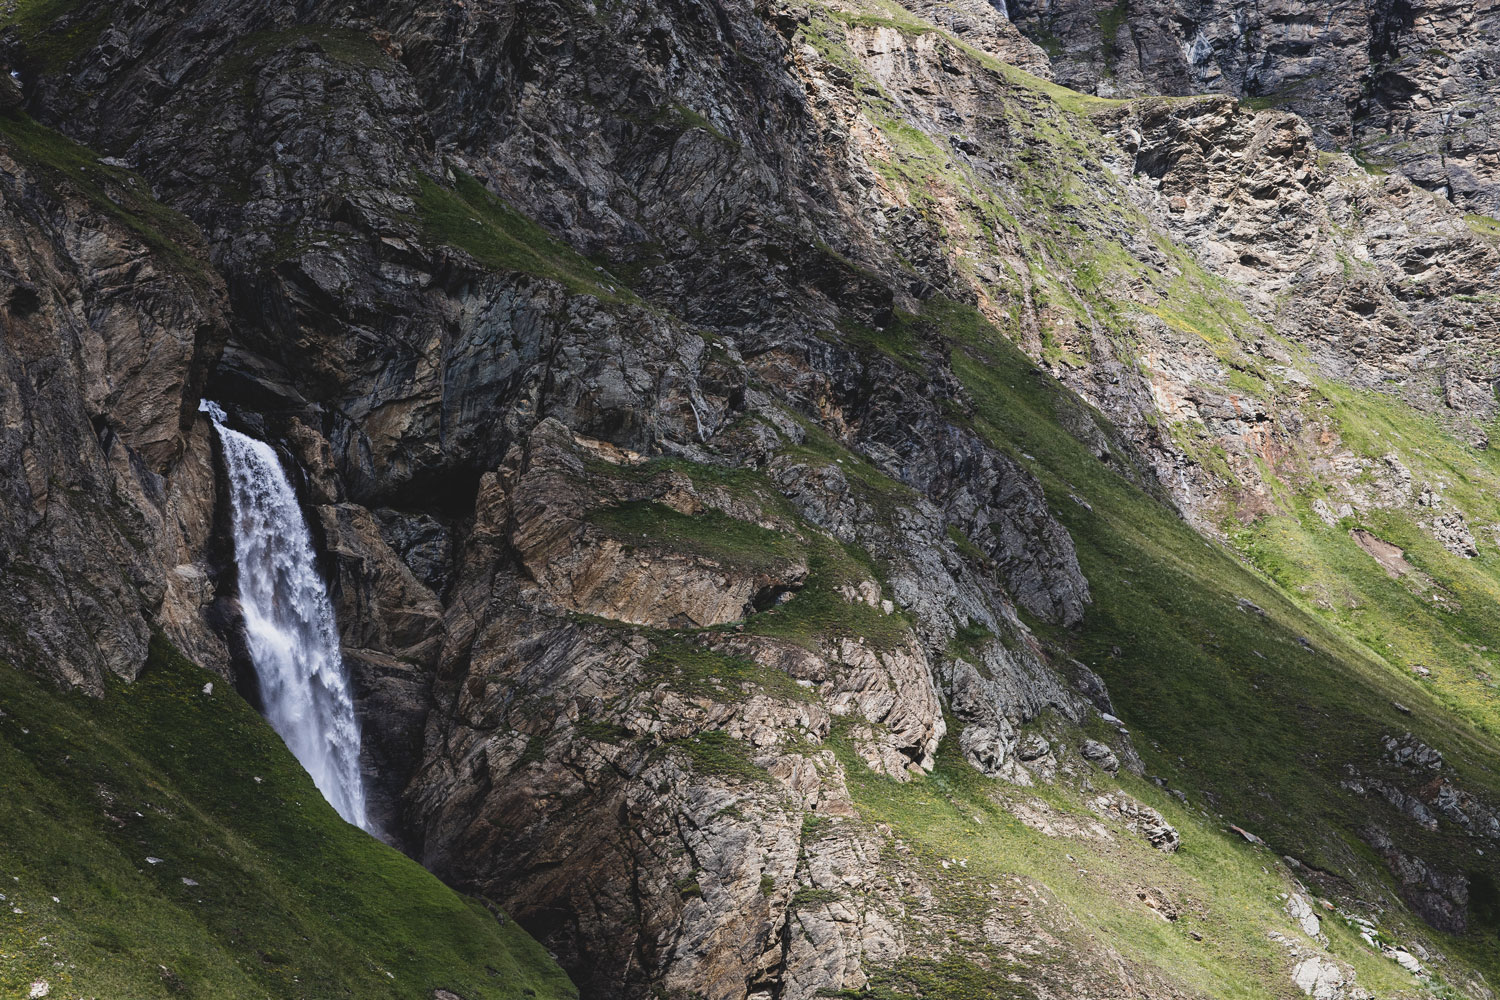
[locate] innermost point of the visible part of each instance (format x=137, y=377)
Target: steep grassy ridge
x=163, y=842
x=1443, y=616
x=1088, y=890
x=1251, y=707
x=1258, y=714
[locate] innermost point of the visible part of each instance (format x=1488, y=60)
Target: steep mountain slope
x=161, y=841
x=816, y=508
x=158, y=839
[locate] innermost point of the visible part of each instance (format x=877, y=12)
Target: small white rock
x=1299, y=910
x=1320, y=979
x=40, y=988
x=153, y=861
x=208, y=688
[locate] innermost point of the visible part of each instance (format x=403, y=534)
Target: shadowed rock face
x=621, y=353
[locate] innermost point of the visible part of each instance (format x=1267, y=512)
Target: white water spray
x=294, y=642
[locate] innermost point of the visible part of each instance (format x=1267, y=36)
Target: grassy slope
x=1225, y=703
x=290, y=901
x=55, y=31
x=1447, y=622
x=1227, y=893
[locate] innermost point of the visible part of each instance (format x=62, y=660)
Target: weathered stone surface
x=1101, y=755
x=1441, y=898
x=1324, y=979
x=106, y=481
x=1140, y=819
x=1405, y=83
x=1301, y=912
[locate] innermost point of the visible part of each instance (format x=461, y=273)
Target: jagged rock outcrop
x=1380, y=285
x=107, y=504
x=537, y=694
x=1408, y=85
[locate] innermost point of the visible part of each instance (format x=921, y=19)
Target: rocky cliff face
x=746, y=439
x=112, y=320
x=1405, y=86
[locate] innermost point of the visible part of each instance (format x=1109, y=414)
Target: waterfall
x=289, y=622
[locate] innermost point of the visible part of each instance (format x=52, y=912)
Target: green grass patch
x=691, y=119
x=260, y=889
x=710, y=534
x=1485, y=225
x=969, y=641
x=966, y=546
x=534, y=752
x=469, y=217
x=55, y=32
x=1071, y=101
x=603, y=732
x=804, y=898
x=896, y=341
x=952, y=977
x=715, y=752
x=892, y=18
x=819, y=613
x=62, y=166
x=695, y=670
x=745, y=484
x=815, y=827
x=345, y=45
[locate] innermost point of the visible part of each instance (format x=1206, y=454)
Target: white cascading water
x=289, y=622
